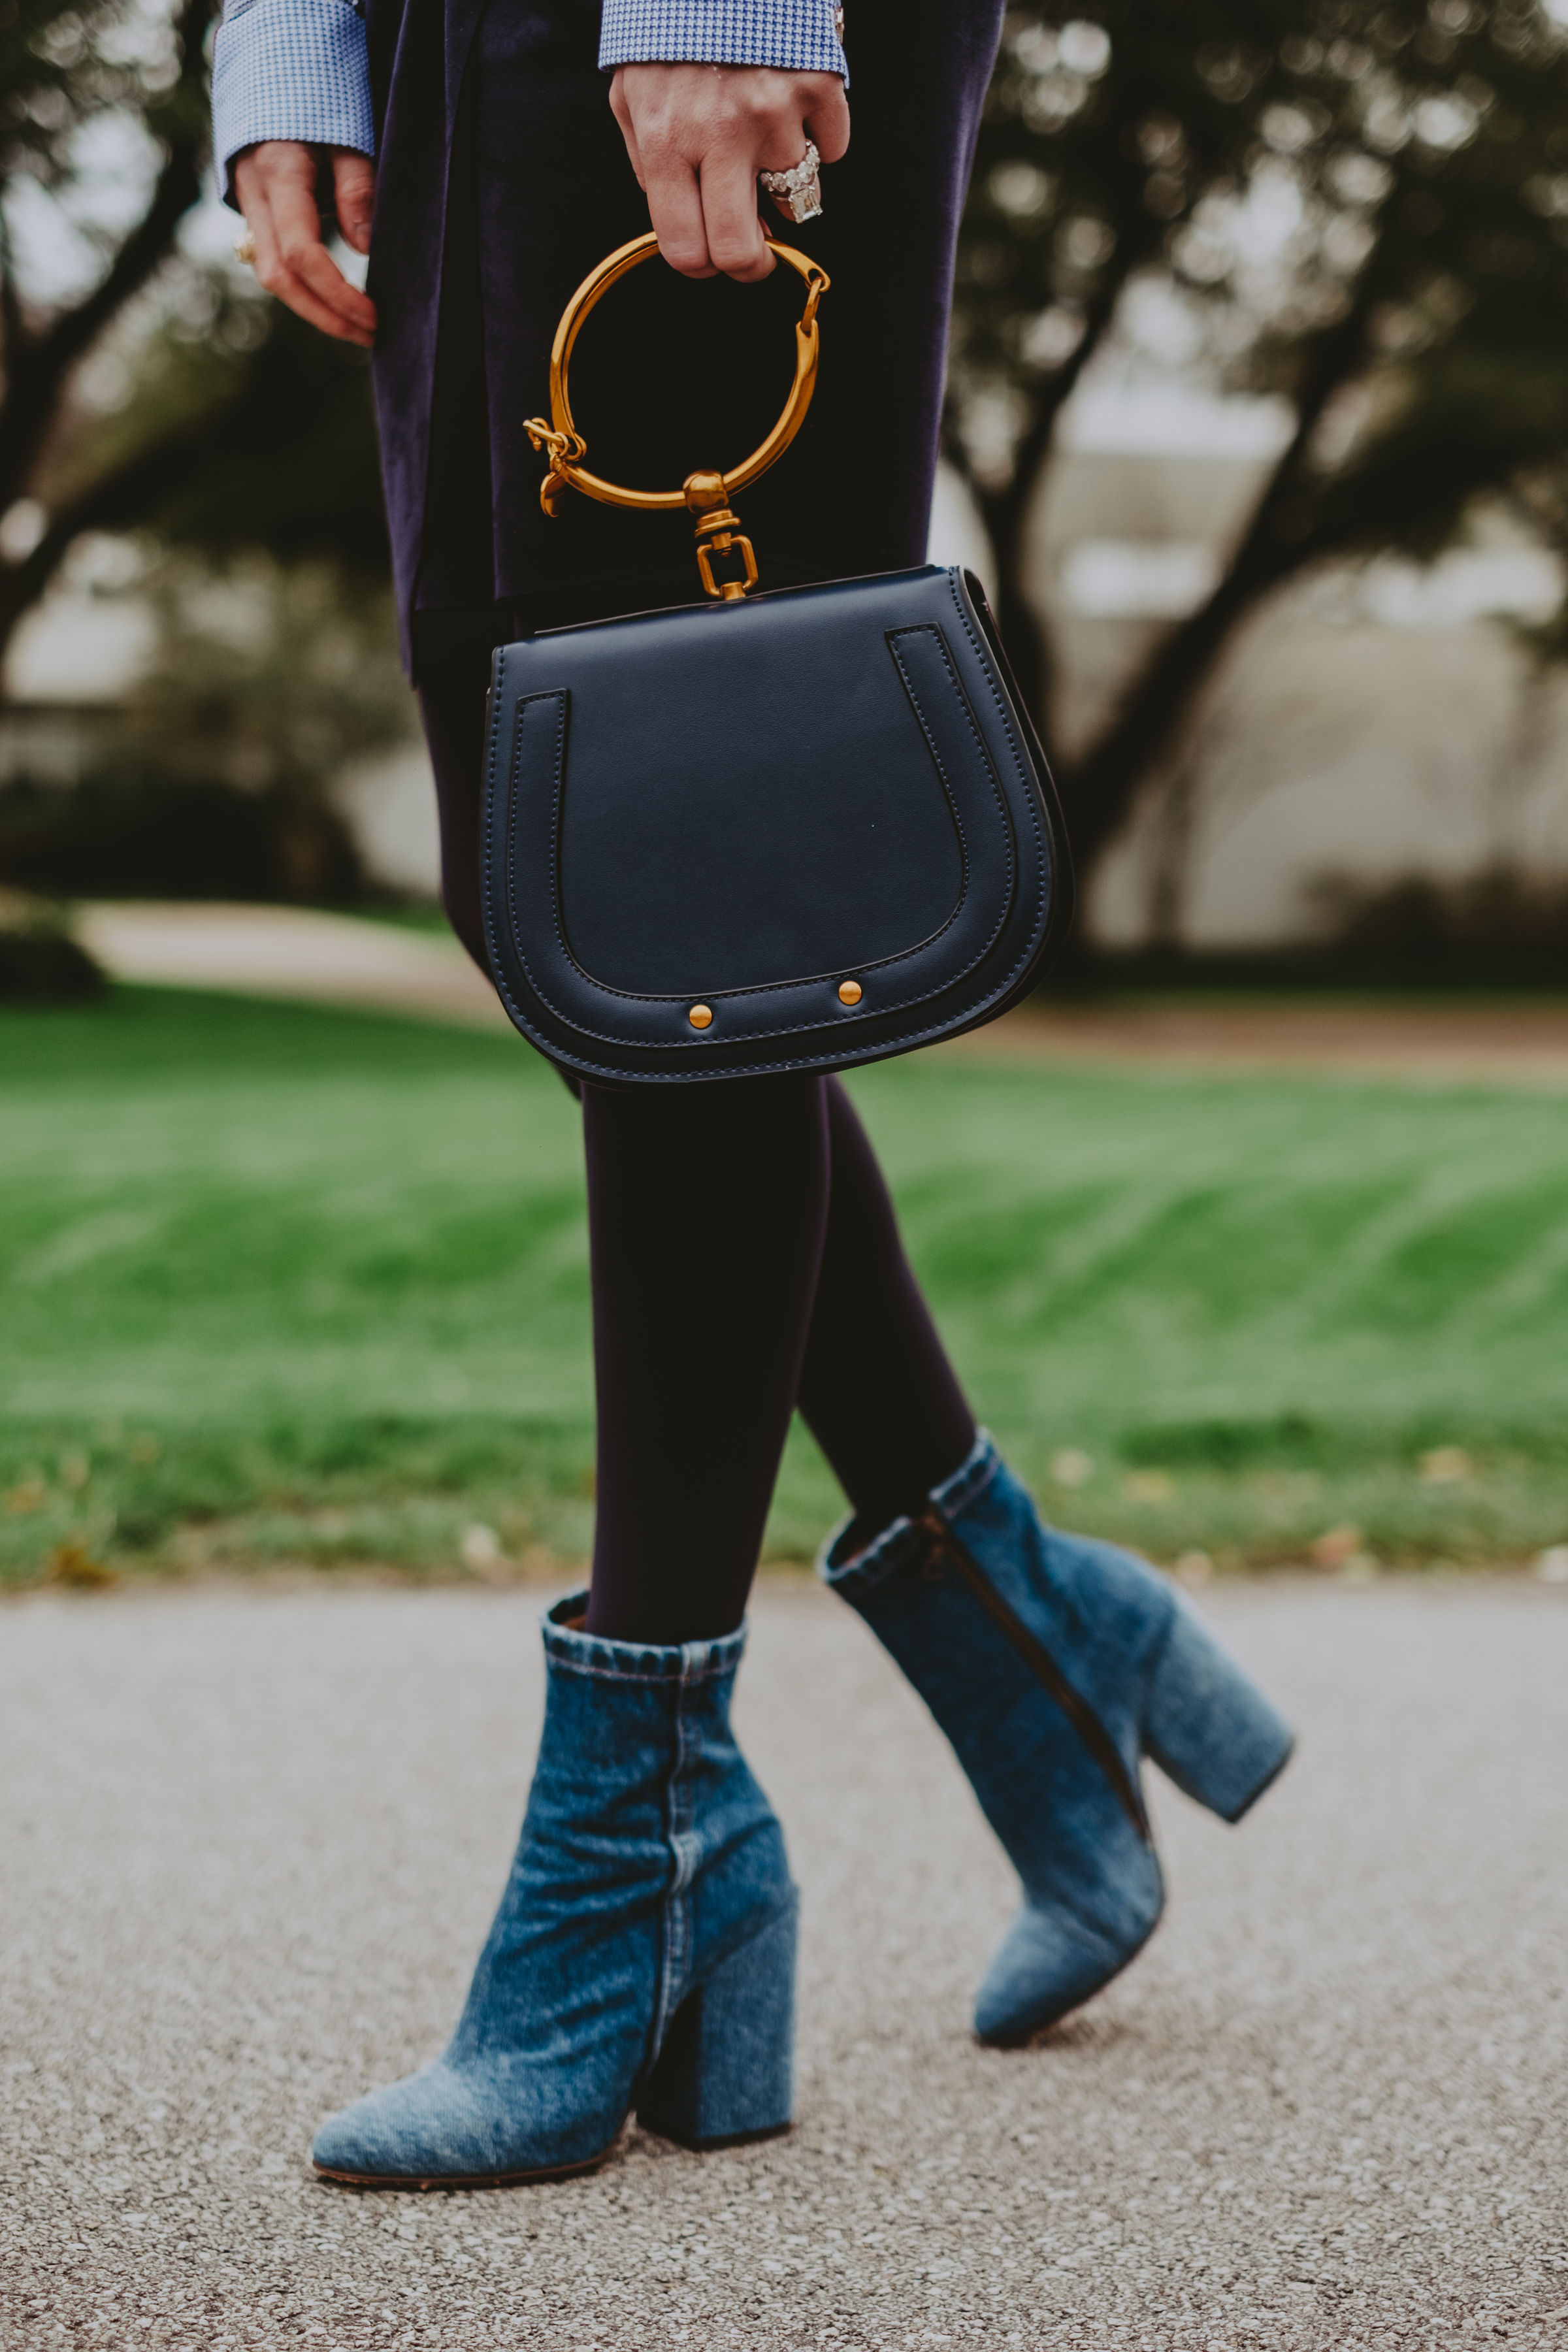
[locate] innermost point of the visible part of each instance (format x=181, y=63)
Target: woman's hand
x=699, y=135
x=275, y=185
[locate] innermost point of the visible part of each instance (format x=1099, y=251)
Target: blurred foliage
x=210, y=421
x=1364, y=208
x=81, y=82
x=217, y=421
x=266, y=681
x=1497, y=926
x=71, y=64
x=1501, y=932
x=40, y=963
x=275, y=674
x=141, y=833
x=243, y=431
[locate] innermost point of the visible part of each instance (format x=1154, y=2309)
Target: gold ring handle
x=705, y=495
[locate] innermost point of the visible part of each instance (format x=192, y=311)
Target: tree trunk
x=1099, y=791
x=1022, y=634
x=114, y=502
x=1005, y=510
x=38, y=367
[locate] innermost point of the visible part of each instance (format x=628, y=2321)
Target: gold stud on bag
x=705, y=495
x=788, y=830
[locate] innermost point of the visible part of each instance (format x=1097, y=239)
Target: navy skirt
x=670, y=374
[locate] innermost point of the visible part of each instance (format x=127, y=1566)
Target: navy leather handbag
x=773, y=832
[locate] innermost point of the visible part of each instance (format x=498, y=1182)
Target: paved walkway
x=250, y=1840
x=337, y=959
x=291, y=951
x=1510, y=1044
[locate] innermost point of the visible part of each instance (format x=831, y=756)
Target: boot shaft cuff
x=900, y=1544
x=568, y=1648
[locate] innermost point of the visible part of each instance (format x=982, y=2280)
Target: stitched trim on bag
x=828, y=1059
x=982, y=658
x=741, y=997
x=883, y=964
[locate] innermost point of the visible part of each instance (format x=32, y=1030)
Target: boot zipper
x=945, y=1544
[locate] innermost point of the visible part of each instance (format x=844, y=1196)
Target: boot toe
x=427, y=2125
x=1048, y=1962
x=451, y=2124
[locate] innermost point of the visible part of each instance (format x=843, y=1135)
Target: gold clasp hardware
x=719, y=532
x=567, y=448
x=705, y=495
x=560, y=445
x=725, y=543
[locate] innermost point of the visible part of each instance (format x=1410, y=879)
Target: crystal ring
x=798, y=191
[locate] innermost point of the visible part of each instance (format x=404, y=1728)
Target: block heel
x=726, y=2071
x=648, y=1853
x=1055, y=1663
x=1207, y=1725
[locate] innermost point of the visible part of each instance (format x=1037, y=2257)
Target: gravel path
x=251, y=1839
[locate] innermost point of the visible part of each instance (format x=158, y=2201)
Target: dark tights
x=746, y=1260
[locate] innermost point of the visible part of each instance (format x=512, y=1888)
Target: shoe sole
x=1261, y=1791
x=546, y=2173
x=411, y=2180
x=720, y=2140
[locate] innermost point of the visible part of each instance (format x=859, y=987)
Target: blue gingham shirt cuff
x=289, y=69
x=800, y=36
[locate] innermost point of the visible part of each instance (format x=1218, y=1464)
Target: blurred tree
x=270, y=677
x=100, y=99
x=242, y=428
x=1365, y=207
x=1364, y=202
x=244, y=431
x=266, y=680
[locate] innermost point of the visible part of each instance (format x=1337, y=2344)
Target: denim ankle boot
x=1053, y=1663
x=643, y=1951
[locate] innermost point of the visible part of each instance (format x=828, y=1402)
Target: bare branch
x=111, y=503
x=1099, y=794
x=11, y=329
x=1005, y=510
x=36, y=366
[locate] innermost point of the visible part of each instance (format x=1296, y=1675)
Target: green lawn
x=279, y=1283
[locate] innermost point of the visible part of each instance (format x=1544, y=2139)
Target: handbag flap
x=747, y=798
x=804, y=810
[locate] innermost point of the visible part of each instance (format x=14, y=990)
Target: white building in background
x=1375, y=723
x=389, y=803
x=71, y=660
